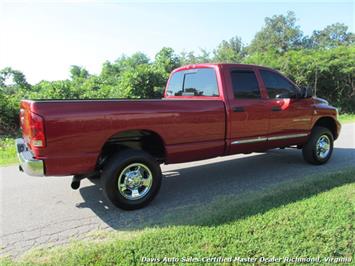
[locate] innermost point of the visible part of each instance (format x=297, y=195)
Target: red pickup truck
x=208, y=110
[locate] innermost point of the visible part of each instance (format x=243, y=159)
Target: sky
x=43, y=39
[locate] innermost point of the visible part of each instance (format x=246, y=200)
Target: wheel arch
x=138, y=139
x=328, y=122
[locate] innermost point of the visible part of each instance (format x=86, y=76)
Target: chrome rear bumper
x=28, y=164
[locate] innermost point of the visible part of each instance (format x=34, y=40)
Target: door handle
x=276, y=108
x=238, y=109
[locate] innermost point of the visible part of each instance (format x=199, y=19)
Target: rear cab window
x=193, y=82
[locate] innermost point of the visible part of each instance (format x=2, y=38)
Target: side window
x=245, y=85
x=277, y=86
x=195, y=82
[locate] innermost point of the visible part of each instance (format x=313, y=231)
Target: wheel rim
x=323, y=146
x=135, y=181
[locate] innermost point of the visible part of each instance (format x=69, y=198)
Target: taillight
x=37, y=137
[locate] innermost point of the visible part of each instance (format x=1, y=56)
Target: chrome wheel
x=323, y=146
x=135, y=181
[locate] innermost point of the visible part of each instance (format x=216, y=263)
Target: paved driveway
x=38, y=211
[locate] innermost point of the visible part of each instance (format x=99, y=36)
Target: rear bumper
x=28, y=164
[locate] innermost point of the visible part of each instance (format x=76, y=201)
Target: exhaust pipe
x=75, y=182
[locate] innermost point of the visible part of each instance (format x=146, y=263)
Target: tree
x=331, y=36
x=128, y=62
x=190, y=57
x=139, y=83
x=60, y=89
x=331, y=72
x=269, y=58
x=108, y=69
x=78, y=72
x=187, y=58
x=229, y=51
x=280, y=33
x=166, y=60
x=13, y=86
x=11, y=80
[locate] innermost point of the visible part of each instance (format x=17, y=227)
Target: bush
x=329, y=71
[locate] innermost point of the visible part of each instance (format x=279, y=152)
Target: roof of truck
x=192, y=66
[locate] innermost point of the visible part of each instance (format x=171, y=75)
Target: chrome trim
x=260, y=139
x=243, y=141
x=301, y=120
x=291, y=136
x=28, y=163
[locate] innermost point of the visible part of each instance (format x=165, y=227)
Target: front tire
x=131, y=179
x=319, y=146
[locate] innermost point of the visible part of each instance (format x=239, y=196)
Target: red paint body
x=191, y=127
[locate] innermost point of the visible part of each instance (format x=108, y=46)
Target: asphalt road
x=37, y=211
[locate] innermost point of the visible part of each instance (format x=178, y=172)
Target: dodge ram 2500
x=208, y=110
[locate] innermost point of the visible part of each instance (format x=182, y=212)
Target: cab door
x=289, y=116
x=248, y=119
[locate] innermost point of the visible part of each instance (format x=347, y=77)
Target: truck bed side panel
x=77, y=130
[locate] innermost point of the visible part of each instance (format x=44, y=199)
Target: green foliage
x=330, y=72
x=347, y=118
x=13, y=86
x=9, y=118
x=325, y=62
x=166, y=61
x=7, y=151
x=270, y=58
x=332, y=36
x=280, y=34
x=191, y=58
x=139, y=83
x=78, y=72
x=60, y=89
x=10, y=79
x=231, y=51
x=125, y=63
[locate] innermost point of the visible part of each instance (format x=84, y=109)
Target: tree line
x=323, y=61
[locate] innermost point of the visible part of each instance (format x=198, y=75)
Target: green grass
x=309, y=217
x=347, y=118
x=7, y=151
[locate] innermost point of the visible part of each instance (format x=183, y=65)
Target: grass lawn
x=347, y=118
x=309, y=217
x=7, y=151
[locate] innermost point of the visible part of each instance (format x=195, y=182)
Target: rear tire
x=319, y=146
x=131, y=179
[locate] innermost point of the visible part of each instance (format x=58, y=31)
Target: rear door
x=289, y=116
x=247, y=110
x=197, y=129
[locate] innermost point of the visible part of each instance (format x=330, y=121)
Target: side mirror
x=306, y=92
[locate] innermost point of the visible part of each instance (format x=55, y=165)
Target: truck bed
x=84, y=126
